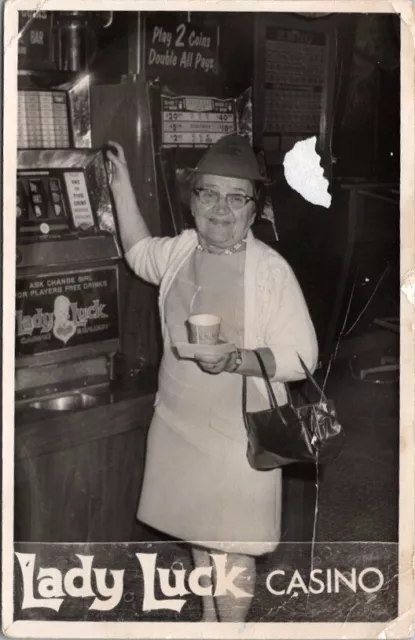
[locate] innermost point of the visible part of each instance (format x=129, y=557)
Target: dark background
x=365, y=136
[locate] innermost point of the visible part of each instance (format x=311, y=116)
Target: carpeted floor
x=357, y=495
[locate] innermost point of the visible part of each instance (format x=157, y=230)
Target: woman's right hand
x=120, y=176
x=132, y=225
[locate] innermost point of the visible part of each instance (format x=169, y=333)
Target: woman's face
x=218, y=224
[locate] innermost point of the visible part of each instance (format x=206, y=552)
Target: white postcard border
x=399, y=628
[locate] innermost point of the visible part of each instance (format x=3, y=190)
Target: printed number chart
x=42, y=120
x=195, y=121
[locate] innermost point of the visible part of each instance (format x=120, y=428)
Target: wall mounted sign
x=65, y=309
x=35, y=37
x=294, y=83
x=193, y=121
x=294, y=80
x=171, y=45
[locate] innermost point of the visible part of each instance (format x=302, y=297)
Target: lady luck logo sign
x=67, y=309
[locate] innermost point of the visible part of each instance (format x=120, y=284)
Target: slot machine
x=67, y=284
x=81, y=418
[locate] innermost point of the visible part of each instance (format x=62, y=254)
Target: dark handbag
x=284, y=435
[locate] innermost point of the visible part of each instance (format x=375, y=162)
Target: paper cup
x=204, y=329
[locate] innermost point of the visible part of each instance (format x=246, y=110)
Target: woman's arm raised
x=131, y=223
x=147, y=256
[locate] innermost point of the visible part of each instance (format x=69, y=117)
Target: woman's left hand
x=214, y=364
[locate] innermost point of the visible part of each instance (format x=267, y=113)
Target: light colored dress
x=198, y=485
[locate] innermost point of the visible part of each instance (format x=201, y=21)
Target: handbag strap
x=270, y=391
x=269, y=386
x=312, y=380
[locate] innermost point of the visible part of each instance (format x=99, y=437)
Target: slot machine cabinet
x=75, y=428
x=67, y=310
x=79, y=440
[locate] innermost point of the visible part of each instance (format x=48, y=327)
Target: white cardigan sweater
x=276, y=314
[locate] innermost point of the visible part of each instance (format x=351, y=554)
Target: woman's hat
x=231, y=156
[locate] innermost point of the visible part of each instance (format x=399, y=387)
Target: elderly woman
x=198, y=485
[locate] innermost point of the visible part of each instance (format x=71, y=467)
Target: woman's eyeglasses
x=235, y=201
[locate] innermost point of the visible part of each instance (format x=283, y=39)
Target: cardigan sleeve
x=149, y=257
x=289, y=331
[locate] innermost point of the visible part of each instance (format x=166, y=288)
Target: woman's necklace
x=227, y=252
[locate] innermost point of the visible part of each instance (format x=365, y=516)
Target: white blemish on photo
x=303, y=172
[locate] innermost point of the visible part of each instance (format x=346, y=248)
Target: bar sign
x=83, y=217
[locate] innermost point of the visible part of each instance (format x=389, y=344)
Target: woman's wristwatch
x=237, y=361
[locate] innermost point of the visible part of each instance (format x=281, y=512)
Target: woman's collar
x=249, y=238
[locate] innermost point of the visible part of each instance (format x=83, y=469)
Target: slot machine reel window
x=41, y=204
x=62, y=191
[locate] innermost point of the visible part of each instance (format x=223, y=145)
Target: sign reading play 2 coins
x=66, y=309
x=194, y=121
x=171, y=45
